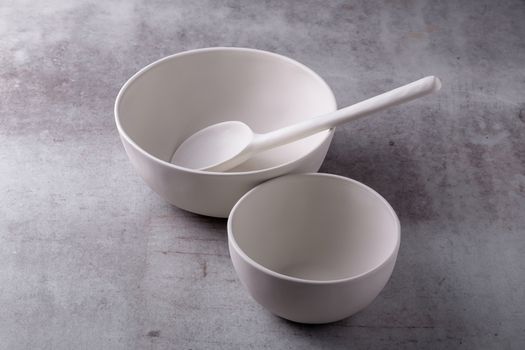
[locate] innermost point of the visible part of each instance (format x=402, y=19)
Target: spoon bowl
x=220, y=145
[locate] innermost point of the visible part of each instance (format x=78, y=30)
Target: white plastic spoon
x=223, y=146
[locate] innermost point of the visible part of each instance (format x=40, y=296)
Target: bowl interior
x=315, y=227
x=173, y=98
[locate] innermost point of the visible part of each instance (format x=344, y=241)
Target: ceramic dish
x=169, y=100
x=313, y=248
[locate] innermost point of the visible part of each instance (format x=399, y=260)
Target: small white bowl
x=169, y=100
x=313, y=248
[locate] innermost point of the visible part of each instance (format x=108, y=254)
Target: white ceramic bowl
x=169, y=100
x=313, y=248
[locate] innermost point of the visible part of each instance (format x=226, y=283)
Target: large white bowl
x=313, y=248
x=169, y=100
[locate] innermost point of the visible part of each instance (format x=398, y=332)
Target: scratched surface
x=90, y=258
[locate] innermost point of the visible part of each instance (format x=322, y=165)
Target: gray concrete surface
x=90, y=258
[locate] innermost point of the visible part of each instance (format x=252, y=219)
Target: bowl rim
x=165, y=59
x=260, y=267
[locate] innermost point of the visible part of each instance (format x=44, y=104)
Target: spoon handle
x=311, y=126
